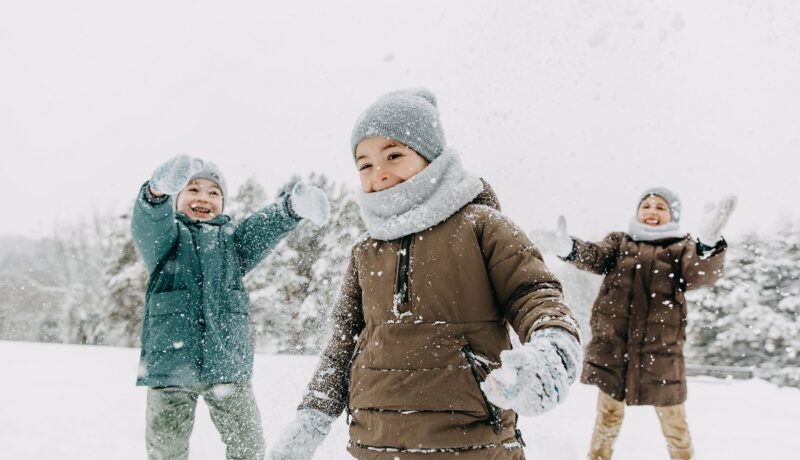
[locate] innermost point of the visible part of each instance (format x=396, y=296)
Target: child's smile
x=200, y=209
x=201, y=200
x=654, y=211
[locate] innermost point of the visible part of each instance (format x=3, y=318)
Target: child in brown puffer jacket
x=421, y=355
x=638, y=323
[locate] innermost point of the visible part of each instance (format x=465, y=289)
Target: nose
x=379, y=178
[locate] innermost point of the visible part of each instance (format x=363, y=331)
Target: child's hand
x=310, y=202
x=555, y=242
x=714, y=219
x=172, y=176
x=302, y=437
x=535, y=377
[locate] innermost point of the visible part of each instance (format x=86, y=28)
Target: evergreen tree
x=85, y=252
x=127, y=282
x=291, y=292
x=751, y=317
x=30, y=292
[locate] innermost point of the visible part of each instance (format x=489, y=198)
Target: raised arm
x=702, y=265
x=597, y=258
x=702, y=260
x=153, y=223
x=153, y=226
x=259, y=233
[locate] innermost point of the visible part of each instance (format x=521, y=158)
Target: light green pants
x=170, y=418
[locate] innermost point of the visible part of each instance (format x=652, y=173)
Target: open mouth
x=652, y=221
x=200, y=210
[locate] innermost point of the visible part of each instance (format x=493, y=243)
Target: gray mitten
x=172, y=176
x=714, y=219
x=303, y=436
x=535, y=377
x=310, y=202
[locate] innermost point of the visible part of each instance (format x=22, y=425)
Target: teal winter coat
x=196, y=326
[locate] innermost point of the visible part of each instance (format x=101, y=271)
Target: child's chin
x=201, y=217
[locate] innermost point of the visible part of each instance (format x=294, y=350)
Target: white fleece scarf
x=641, y=232
x=424, y=200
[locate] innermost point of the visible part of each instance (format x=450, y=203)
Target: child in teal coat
x=195, y=332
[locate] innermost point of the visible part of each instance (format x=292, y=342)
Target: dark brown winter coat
x=639, y=318
x=420, y=321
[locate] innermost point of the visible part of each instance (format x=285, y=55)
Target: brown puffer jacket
x=420, y=321
x=639, y=318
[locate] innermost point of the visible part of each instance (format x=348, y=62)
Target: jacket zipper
x=495, y=419
x=401, y=287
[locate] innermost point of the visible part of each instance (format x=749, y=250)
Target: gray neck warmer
x=424, y=200
x=641, y=232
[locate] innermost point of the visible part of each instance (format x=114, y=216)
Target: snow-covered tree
x=86, y=251
x=30, y=292
x=250, y=197
x=751, y=317
x=292, y=292
x=126, y=278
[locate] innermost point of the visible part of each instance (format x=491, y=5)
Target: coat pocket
x=235, y=324
x=170, y=328
x=480, y=367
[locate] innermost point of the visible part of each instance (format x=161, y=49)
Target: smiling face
x=200, y=200
x=654, y=211
x=383, y=162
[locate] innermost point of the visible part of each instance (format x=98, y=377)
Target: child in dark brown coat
x=638, y=323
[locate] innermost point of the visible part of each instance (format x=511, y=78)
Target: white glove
x=310, y=202
x=714, y=219
x=301, y=438
x=172, y=176
x=535, y=377
x=557, y=242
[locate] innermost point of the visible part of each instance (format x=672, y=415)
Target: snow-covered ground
x=80, y=402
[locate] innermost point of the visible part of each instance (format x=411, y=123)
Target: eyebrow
x=391, y=143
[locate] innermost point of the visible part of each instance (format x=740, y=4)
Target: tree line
x=86, y=284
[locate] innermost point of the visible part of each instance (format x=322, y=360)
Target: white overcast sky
x=568, y=107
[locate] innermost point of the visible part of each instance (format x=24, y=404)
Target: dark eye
x=364, y=166
x=394, y=156
x=192, y=189
x=214, y=192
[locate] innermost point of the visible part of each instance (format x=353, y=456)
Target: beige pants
x=610, y=413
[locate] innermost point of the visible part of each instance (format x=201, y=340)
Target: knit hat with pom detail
x=409, y=116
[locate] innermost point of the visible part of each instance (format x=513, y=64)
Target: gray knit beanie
x=672, y=199
x=211, y=172
x=409, y=116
